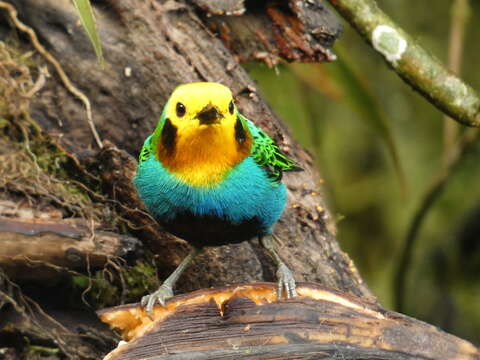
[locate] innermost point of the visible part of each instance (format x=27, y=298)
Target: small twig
x=39, y=83
x=456, y=157
x=29, y=151
x=90, y=282
x=119, y=270
x=411, y=62
x=49, y=57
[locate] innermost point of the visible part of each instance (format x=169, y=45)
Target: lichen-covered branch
x=413, y=63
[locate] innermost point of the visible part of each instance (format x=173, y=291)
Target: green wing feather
x=146, y=151
x=266, y=153
x=151, y=142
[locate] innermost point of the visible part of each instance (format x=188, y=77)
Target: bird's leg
x=284, y=274
x=165, y=291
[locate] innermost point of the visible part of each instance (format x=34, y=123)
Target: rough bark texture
x=62, y=243
x=243, y=323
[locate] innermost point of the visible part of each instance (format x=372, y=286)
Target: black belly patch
x=212, y=231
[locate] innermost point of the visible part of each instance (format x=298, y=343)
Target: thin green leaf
x=85, y=12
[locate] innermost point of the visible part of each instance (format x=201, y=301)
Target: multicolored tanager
x=211, y=177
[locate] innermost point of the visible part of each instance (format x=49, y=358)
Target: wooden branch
x=411, y=61
x=53, y=246
x=247, y=322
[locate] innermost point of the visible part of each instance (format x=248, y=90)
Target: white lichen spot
x=457, y=90
x=387, y=41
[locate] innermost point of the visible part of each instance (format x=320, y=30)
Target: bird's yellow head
x=198, y=105
x=200, y=136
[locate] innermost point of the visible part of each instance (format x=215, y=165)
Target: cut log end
x=246, y=321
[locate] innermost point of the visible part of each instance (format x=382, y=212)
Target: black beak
x=209, y=115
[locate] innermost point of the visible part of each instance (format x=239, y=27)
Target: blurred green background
x=340, y=112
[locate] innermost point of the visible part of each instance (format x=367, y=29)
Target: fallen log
x=247, y=322
x=52, y=247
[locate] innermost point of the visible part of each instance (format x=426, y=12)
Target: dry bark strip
x=246, y=322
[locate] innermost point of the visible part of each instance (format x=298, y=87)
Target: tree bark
x=245, y=322
x=53, y=247
x=164, y=45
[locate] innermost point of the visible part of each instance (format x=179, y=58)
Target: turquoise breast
x=244, y=205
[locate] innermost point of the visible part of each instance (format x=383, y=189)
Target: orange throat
x=202, y=156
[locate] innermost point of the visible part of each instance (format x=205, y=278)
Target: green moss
x=41, y=352
x=141, y=278
x=33, y=164
x=110, y=287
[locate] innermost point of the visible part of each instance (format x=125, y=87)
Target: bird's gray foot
x=285, y=281
x=284, y=274
x=163, y=293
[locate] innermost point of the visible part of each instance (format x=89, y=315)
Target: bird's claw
x=163, y=293
x=285, y=281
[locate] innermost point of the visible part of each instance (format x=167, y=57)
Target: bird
x=211, y=177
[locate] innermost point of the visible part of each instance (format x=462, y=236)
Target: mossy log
x=247, y=322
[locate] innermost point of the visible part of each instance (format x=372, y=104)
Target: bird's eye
x=231, y=107
x=180, y=109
